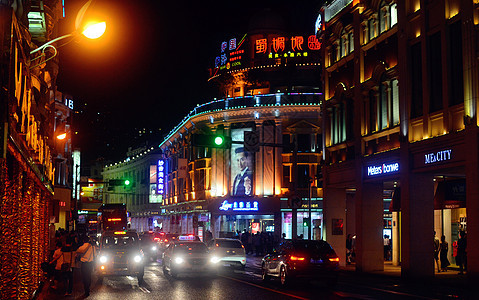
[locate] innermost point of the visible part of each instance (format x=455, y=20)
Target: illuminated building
x=140, y=195
x=400, y=127
x=268, y=81
x=27, y=145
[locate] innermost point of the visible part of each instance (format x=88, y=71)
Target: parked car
x=190, y=257
x=302, y=259
x=120, y=255
x=229, y=252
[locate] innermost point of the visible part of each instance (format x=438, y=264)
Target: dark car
x=120, y=255
x=302, y=259
x=149, y=242
x=166, y=239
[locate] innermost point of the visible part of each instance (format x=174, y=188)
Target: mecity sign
x=383, y=169
x=435, y=157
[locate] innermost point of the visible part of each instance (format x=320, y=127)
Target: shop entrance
x=231, y=226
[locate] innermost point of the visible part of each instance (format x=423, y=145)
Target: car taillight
x=336, y=259
x=166, y=240
x=296, y=258
x=156, y=239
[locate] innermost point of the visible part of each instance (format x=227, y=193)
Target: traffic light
x=211, y=140
x=119, y=182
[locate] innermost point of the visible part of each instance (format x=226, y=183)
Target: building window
x=435, y=72
x=456, y=81
x=372, y=29
x=286, y=176
x=416, y=81
x=338, y=124
x=388, y=104
x=387, y=16
x=346, y=43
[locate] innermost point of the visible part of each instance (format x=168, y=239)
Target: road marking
x=144, y=290
x=264, y=288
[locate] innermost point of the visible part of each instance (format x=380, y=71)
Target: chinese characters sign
x=239, y=206
x=280, y=44
x=161, y=177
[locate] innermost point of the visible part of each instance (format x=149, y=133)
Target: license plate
x=316, y=261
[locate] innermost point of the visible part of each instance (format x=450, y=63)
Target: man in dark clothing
x=68, y=256
x=461, y=259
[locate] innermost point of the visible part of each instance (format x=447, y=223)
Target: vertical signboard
x=242, y=165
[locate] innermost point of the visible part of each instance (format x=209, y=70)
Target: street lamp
x=91, y=30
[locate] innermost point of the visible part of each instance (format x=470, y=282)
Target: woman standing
x=443, y=255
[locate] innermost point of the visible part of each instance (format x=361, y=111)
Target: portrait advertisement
x=242, y=166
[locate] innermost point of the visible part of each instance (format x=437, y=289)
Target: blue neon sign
x=239, y=206
x=161, y=174
x=383, y=169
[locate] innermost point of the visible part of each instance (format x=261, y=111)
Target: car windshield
x=119, y=241
x=189, y=248
x=228, y=244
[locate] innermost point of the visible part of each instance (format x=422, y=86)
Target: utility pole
x=294, y=188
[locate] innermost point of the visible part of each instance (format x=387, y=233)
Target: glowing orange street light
x=62, y=136
x=92, y=30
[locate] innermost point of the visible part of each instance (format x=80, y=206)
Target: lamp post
x=91, y=30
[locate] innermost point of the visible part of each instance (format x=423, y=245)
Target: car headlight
x=179, y=260
x=153, y=248
x=137, y=258
x=215, y=259
x=103, y=259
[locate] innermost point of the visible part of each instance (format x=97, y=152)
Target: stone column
x=369, y=227
x=417, y=227
x=334, y=208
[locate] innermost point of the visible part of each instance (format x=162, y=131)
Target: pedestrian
x=436, y=251
x=349, y=249
x=444, y=246
x=57, y=262
x=461, y=258
x=387, y=247
x=66, y=266
x=86, y=253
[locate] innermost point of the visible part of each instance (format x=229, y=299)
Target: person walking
x=56, y=260
x=86, y=252
x=444, y=246
x=66, y=265
x=349, y=249
x=436, y=252
x=461, y=259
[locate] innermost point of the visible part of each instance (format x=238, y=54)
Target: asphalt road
x=247, y=284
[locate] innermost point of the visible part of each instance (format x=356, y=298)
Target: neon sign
x=295, y=44
x=443, y=155
x=160, y=184
x=383, y=169
x=239, y=206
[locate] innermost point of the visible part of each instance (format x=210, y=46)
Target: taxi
x=120, y=254
x=188, y=257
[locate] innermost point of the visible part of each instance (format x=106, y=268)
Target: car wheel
x=99, y=279
x=264, y=274
x=173, y=273
x=243, y=267
x=283, y=277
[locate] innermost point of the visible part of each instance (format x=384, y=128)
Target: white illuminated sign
x=434, y=157
x=239, y=206
x=383, y=169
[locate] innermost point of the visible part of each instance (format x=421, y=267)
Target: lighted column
x=334, y=211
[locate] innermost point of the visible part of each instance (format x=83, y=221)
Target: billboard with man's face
x=242, y=166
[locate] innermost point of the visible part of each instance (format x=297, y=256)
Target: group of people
x=441, y=249
x=259, y=243
x=72, y=251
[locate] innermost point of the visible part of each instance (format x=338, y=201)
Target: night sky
x=151, y=67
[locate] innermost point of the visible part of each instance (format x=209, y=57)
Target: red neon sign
x=278, y=43
x=114, y=219
x=261, y=45
x=297, y=43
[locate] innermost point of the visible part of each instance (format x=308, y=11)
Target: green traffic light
x=219, y=140
x=127, y=182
